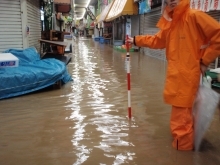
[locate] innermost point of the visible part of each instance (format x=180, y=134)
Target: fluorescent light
x=88, y=2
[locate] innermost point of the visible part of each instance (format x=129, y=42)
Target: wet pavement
x=85, y=122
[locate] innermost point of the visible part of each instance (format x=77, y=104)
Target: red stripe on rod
x=127, y=44
x=129, y=112
x=129, y=81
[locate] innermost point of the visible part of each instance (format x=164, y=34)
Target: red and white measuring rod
x=128, y=78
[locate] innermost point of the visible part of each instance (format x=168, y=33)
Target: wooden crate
x=45, y=35
x=52, y=35
x=56, y=35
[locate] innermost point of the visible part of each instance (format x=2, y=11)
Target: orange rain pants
x=181, y=124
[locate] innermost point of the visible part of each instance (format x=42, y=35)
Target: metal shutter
x=10, y=25
x=150, y=22
x=134, y=25
x=135, y=29
x=216, y=15
x=141, y=29
x=34, y=22
x=141, y=24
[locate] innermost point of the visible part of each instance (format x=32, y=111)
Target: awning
x=96, y=20
x=92, y=25
x=104, y=13
x=122, y=7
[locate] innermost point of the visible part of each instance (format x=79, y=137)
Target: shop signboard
x=107, y=24
x=128, y=28
x=92, y=8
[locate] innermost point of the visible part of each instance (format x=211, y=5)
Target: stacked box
x=8, y=60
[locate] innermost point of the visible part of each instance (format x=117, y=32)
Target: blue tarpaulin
x=32, y=73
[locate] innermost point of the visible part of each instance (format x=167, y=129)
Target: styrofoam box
x=8, y=60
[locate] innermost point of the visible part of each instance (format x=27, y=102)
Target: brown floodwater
x=86, y=121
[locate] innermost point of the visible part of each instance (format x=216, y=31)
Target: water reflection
x=85, y=122
x=92, y=78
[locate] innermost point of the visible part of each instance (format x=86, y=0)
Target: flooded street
x=86, y=121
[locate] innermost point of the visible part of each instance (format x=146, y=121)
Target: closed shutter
x=34, y=22
x=134, y=25
x=10, y=25
x=135, y=29
x=119, y=29
x=150, y=22
x=141, y=24
x=142, y=29
x=216, y=15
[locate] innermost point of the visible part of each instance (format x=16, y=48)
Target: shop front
x=20, y=25
x=105, y=28
x=120, y=16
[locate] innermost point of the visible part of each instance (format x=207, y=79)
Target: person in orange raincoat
x=192, y=42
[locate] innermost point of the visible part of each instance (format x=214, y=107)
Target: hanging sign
x=128, y=28
x=144, y=6
x=215, y=5
x=92, y=8
x=148, y=7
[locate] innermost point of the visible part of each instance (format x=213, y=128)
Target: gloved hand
x=129, y=40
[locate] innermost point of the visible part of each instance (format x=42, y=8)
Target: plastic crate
x=119, y=48
x=96, y=38
x=101, y=40
x=107, y=41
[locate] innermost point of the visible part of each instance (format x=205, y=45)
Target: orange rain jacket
x=190, y=37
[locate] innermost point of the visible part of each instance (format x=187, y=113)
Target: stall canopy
x=92, y=25
x=104, y=13
x=97, y=18
x=122, y=7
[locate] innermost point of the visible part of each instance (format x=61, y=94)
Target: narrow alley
x=86, y=121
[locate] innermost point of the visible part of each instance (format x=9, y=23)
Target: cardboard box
x=8, y=60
